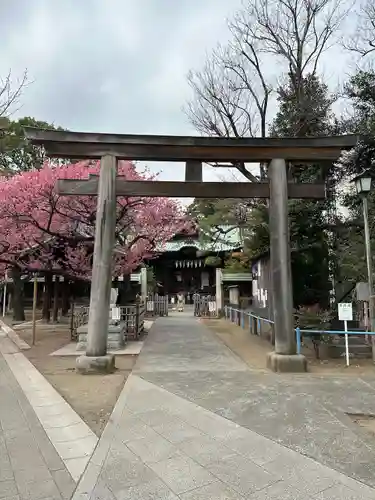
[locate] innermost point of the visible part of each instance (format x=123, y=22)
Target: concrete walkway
x=195, y=423
x=30, y=467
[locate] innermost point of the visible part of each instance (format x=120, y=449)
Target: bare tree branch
x=297, y=32
x=10, y=92
x=231, y=94
x=226, y=101
x=362, y=41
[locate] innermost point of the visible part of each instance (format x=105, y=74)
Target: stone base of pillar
x=90, y=365
x=115, y=337
x=286, y=363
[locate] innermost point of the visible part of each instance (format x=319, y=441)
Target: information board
x=345, y=311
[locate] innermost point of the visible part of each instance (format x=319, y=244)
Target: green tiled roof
x=229, y=241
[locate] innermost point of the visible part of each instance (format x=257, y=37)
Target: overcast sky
x=114, y=65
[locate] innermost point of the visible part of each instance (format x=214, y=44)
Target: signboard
x=345, y=311
x=116, y=313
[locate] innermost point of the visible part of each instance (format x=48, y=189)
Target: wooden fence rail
x=157, y=305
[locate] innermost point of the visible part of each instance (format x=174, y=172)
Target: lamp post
x=363, y=184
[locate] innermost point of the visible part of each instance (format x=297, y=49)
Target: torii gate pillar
x=96, y=358
x=284, y=358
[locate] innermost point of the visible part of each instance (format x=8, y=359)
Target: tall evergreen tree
x=16, y=153
x=307, y=113
x=360, y=90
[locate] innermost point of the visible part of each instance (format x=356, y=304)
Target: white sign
x=345, y=311
x=116, y=313
x=212, y=306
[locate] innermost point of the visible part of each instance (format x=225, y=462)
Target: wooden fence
x=205, y=306
x=157, y=305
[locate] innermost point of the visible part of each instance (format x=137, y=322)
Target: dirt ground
x=92, y=397
x=253, y=351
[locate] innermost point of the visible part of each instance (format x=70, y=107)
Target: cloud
x=113, y=65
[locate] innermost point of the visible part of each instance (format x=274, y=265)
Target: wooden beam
x=193, y=171
x=180, y=148
x=188, y=189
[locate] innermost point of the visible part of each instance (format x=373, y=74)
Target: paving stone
x=32, y=474
x=8, y=488
x=304, y=474
x=70, y=433
x=40, y=490
x=241, y=474
x=157, y=417
x=154, y=449
x=255, y=447
x=152, y=490
x=213, y=491
x=180, y=473
x=124, y=470
x=281, y=490
x=102, y=492
x=340, y=492
x=205, y=449
x=76, y=466
x=133, y=428
x=178, y=431
x=62, y=420
x=64, y=482
x=76, y=449
x=6, y=473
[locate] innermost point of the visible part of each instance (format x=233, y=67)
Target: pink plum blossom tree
x=41, y=230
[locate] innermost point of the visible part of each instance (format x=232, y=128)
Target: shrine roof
x=229, y=241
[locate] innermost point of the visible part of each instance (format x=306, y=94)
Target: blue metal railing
x=300, y=331
x=238, y=316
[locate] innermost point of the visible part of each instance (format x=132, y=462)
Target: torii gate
x=110, y=148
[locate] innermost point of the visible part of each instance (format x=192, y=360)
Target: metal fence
x=157, y=305
x=133, y=315
x=79, y=315
x=205, y=306
x=257, y=325
x=300, y=332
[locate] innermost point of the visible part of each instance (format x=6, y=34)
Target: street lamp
x=363, y=184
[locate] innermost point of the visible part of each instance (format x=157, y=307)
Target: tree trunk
x=65, y=298
x=47, y=295
x=17, y=296
x=55, y=311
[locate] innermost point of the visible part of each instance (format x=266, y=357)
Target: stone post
x=144, y=283
x=284, y=359
x=96, y=358
x=219, y=291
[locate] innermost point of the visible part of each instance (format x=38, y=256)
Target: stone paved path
x=193, y=422
x=30, y=468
